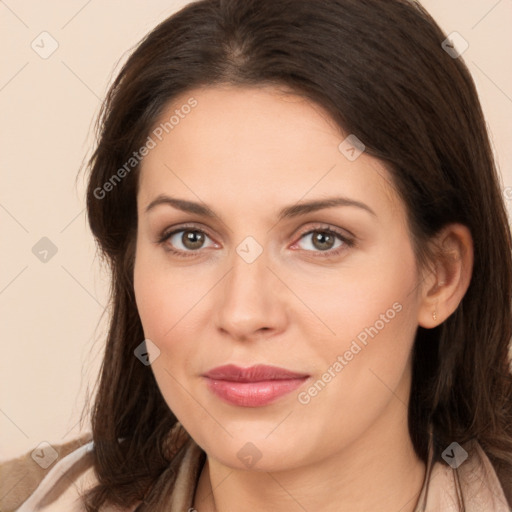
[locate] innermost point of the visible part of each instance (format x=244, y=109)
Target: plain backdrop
x=52, y=288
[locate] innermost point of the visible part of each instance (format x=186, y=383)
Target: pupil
x=192, y=239
x=321, y=238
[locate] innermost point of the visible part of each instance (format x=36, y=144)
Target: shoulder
x=46, y=474
x=469, y=478
x=26, y=486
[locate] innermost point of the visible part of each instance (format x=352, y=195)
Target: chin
x=254, y=450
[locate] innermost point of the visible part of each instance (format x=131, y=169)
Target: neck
x=378, y=471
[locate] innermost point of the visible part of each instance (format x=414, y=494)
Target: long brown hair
x=379, y=69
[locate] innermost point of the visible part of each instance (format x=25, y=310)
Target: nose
x=251, y=300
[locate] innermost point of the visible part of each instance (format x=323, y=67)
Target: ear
x=448, y=280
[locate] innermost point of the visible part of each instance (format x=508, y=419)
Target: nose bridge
x=248, y=300
x=248, y=280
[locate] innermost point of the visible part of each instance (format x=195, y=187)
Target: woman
x=311, y=271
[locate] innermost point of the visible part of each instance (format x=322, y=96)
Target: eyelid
x=164, y=235
x=169, y=231
x=322, y=226
x=348, y=240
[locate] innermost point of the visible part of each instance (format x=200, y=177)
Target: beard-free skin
x=258, y=281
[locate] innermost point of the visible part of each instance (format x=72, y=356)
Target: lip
x=252, y=387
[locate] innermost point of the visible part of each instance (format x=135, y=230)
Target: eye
x=184, y=240
x=325, y=241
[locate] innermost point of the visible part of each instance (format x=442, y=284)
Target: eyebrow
x=286, y=213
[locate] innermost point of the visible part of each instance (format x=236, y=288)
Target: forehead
x=261, y=146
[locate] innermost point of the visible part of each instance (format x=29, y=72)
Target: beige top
x=25, y=487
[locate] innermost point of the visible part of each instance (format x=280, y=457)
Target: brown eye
x=323, y=240
x=192, y=239
x=185, y=241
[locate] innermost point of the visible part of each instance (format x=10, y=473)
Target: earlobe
x=450, y=276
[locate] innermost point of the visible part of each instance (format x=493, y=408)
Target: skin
x=247, y=153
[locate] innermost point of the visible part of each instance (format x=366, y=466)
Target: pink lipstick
x=252, y=387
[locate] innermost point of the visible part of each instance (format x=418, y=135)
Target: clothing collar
x=471, y=487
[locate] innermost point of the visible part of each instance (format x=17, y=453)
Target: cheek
x=156, y=305
x=373, y=316
x=162, y=307
x=163, y=295
x=172, y=305
x=365, y=369
x=370, y=310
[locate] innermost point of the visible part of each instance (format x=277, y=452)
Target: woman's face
x=329, y=293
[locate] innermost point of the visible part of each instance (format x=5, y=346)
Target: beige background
x=51, y=332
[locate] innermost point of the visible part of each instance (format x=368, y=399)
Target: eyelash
x=347, y=242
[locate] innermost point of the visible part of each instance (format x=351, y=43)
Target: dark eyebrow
x=319, y=204
x=286, y=213
x=182, y=204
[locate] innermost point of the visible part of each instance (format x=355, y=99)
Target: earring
x=434, y=315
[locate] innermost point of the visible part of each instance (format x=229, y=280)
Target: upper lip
x=256, y=373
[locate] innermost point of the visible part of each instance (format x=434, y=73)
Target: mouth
x=252, y=387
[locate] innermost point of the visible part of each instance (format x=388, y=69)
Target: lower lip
x=253, y=394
